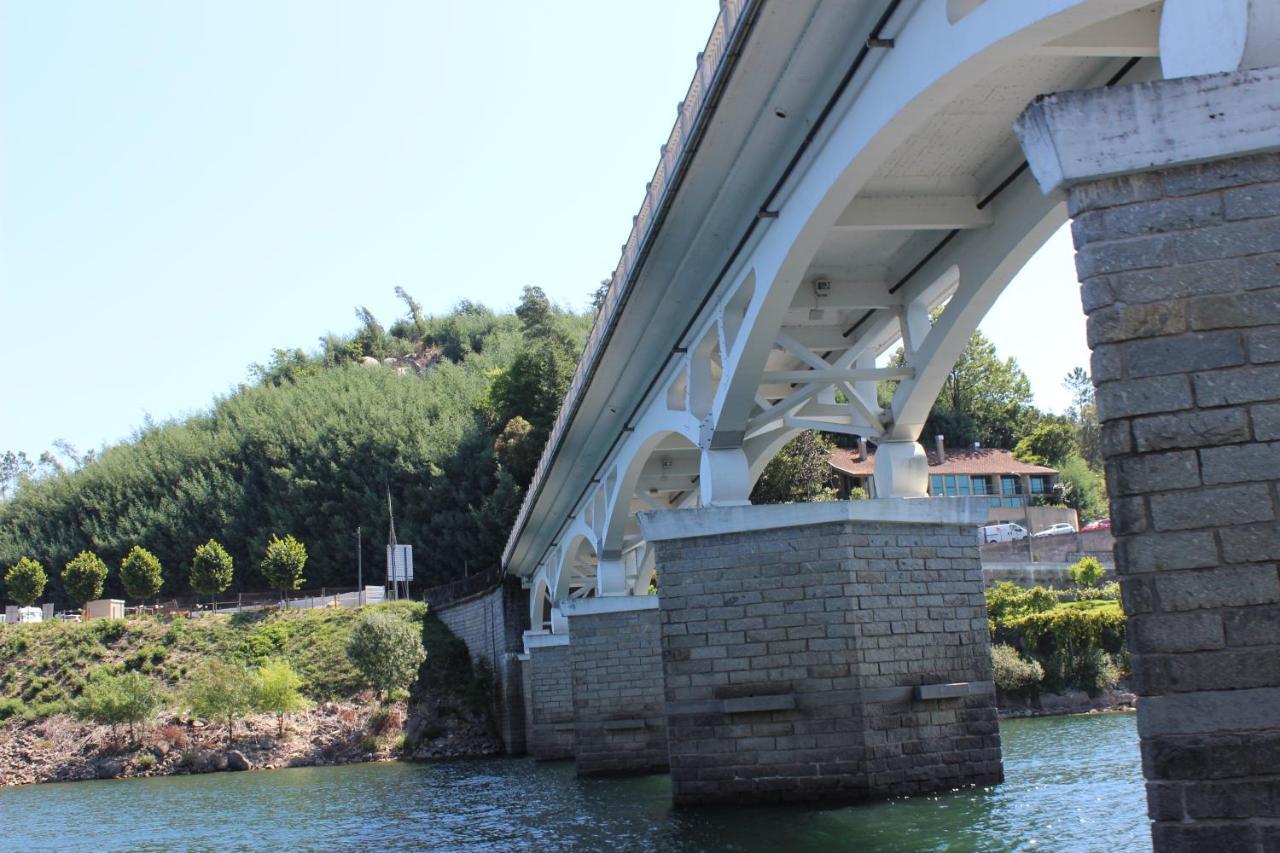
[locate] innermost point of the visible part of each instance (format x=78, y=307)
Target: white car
x=1006, y=532
x=1059, y=529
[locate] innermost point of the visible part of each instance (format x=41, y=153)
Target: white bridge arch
x=757, y=297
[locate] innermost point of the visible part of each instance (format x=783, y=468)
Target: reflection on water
x=1072, y=783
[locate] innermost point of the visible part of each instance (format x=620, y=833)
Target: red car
x=1100, y=524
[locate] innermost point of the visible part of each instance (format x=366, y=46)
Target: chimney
x=862, y=449
x=942, y=451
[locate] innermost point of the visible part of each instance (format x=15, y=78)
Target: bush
x=107, y=630
x=145, y=761
x=128, y=698
x=1086, y=573
x=276, y=690
x=1006, y=601
x=1014, y=675
x=386, y=650
x=10, y=707
x=1074, y=644
x=83, y=577
x=211, y=569
x=282, y=564
x=220, y=691
x=25, y=582
x=141, y=574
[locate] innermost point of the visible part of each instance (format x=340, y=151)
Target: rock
x=108, y=768
x=237, y=761
x=160, y=750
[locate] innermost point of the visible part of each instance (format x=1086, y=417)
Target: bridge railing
x=665, y=179
x=446, y=594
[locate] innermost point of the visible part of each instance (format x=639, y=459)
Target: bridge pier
x=548, y=695
x=618, y=711
x=830, y=651
x=1174, y=187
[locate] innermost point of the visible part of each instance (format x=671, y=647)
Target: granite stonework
x=618, y=700
x=548, y=700
x=1180, y=273
x=812, y=659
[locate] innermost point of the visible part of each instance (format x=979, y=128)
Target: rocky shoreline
x=1063, y=704
x=62, y=749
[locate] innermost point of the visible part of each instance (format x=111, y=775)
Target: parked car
x=1098, y=524
x=1059, y=529
x=1007, y=532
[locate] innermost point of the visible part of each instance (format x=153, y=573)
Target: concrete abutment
x=825, y=651
x=1174, y=187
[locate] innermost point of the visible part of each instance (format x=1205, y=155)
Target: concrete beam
x=1134, y=34
x=913, y=213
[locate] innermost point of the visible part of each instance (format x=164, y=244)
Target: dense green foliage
x=386, y=650
x=212, y=568
x=1014, y=675
x=1086, y=572
x=800, y=472
x=83, y=577
x=141, y=573
x=283, y=562
x=25, y=582
x=315, y=445
x=115, y=699
x=1078, y=643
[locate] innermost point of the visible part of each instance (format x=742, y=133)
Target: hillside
x=315, y=446
x=44, y=667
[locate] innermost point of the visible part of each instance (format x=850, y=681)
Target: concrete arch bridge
x=838, y=170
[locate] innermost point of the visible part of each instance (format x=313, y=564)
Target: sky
x=185, y=186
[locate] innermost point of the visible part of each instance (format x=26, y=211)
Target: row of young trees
x=317, y=444
x=142, y=576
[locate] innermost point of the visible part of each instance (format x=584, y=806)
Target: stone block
x=1177, y=632
x=1236, y=310
x=1183, y=354
x=1155, y=472
x=1147, y=396
x=1190, y=429
x=1234, y=386
x=1154, y=552
x=1264, y=346
x=1240, y=463
x=1211, y=507
x=1123, y=322
x=1252, y=201
x=1266, y=421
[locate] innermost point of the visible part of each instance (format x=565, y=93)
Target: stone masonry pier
x=825, y=651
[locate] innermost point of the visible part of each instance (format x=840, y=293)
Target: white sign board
x=399, y=563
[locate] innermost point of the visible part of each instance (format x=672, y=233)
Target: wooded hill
x=312, y=447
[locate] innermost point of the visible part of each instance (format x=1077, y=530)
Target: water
x=1073, y=783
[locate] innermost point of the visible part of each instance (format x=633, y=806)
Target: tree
x=119, y=699
x=1086, y=572
x=141, y=574
x=984, y=399
x=1049, y=444
x=276, y=690
x=517, y=450
x=211, y=569
x=25, y=582
x=220, y=691
x=283, y=562
x=83, y=577
x=14, y=469
x=1084, y=414
x=386, y=650
x=1082, y=488
x=801, y=472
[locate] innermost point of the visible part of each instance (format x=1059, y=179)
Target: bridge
x=844, y=178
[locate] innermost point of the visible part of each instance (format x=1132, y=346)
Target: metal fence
x=248, y=601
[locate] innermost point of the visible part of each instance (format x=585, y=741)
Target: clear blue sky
x=186, y=185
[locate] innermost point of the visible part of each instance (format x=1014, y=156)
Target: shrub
x=1072, y=643
x=109, y=699
x=141, y=574
x=220, y=691
x=83, y=577
x=211, y=569
x=1086, y=572
x=386, y=650
x=282, y=564
x=25, y=582
x=276, y=690
x=1006, y=601
x=372, y=743
x=10, y=707
x=145, y=761
x=1014, y=675
x=108, y=630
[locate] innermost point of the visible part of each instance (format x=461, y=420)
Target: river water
x=1072, y=783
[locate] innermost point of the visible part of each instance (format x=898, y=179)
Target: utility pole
x=359, y=568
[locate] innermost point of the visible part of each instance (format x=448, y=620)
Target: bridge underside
x=761, y=296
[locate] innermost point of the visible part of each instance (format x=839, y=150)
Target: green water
x=1072, y=783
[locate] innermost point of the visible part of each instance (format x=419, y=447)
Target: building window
x=935, y=486
x=1010, y=486
x=980, y=485
x=1040, y=485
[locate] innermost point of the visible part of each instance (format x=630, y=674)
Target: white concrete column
x=902, y=470
x=1203, y=37
x=724, y=478
x=611, y=578
x=559, y=624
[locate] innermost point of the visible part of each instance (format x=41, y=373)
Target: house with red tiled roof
x=1011, y=485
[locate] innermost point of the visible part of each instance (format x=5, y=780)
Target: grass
x=44, y=666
